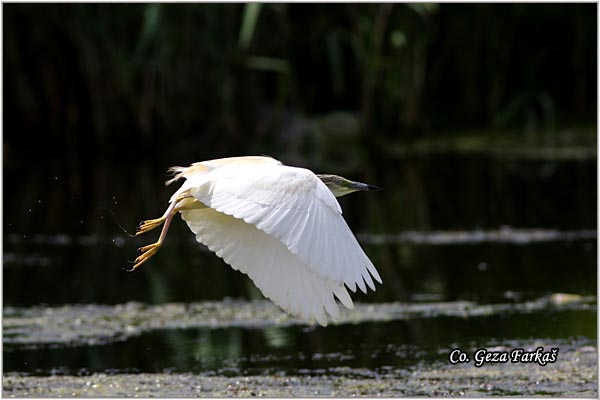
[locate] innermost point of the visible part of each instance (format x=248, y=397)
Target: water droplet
x=30, y=210
x=39, y=201
x=56, y=178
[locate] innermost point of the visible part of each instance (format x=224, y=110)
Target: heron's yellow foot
x=147, y=253
x=148, y=225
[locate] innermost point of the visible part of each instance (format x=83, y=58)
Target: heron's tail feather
x=203, y=167
x=186, y=172
x=177, y=173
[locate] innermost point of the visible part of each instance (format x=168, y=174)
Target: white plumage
x=280, y=225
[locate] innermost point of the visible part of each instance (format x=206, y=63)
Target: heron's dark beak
x=362, y=186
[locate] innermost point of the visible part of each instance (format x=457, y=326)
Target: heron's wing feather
x=277, y=272
x=295, y=207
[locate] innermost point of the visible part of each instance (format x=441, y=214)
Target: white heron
x=280, y=225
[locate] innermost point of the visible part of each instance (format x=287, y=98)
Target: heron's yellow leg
x=181, y=203
x=150, y=224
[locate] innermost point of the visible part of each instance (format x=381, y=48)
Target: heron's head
x=340, y=186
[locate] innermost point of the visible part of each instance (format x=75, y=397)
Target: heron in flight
x=280, y=225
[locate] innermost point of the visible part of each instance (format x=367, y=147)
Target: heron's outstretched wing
x=277, y=272
x=293, y=206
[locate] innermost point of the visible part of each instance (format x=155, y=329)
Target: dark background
x=470, y=116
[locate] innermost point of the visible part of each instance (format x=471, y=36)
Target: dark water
x=375, y=346
x=512, y=231
x=389, y=358
x=183, y=272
